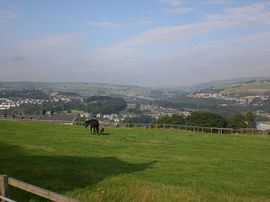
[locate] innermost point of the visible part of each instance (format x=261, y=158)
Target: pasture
x=135, y=164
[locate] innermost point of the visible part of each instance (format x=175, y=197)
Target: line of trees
x=203, y=119
x=208, y=119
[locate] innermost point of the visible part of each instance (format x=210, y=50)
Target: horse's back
x=92, y=122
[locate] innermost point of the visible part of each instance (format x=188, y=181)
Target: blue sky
x=147, y=43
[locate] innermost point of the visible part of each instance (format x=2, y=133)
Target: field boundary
x=201, y=129
x=5, y=181
x=187, y=128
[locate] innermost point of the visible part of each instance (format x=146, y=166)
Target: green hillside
x=135, y=164
x=254, y=87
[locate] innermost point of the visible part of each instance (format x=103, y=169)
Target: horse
x=94, y=124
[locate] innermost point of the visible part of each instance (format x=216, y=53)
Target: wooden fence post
x=4, y=186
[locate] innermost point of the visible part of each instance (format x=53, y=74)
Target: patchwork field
x=253, y=88
x=135, y=164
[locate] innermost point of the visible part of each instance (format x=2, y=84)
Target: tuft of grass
x=135, y=164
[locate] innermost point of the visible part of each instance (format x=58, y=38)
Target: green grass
x=135, y=164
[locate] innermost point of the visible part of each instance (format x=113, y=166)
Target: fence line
x=188, y=128
x=164, y=126
x=5, y=181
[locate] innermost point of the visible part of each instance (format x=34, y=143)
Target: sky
x=144, y=42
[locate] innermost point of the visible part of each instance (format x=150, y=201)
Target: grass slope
x=135, y=164
x=253, y=88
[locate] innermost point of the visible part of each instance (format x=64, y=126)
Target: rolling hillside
x=253, y=87
x=90, y=89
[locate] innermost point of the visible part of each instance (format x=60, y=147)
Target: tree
x=250, y=119
x=237, y=121
x=178, y=119
x=139, y=119
x=206, y=119
x=104, y=104
x=175, y=119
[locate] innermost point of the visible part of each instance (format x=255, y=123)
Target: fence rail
x=166, y=126
x=5, y=181
x=188, y=128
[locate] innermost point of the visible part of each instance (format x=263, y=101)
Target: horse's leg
x=91, y=129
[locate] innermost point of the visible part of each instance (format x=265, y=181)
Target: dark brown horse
x=94, y=125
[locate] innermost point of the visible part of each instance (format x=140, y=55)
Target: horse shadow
x=60, y=173
x=104, y=133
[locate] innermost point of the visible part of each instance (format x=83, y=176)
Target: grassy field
x=135, y=164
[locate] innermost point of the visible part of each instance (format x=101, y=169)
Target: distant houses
x=264, y=126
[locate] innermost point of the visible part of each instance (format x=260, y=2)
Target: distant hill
x=220, y=83
x=252, y=87
x=95, y=89
x=242, y=86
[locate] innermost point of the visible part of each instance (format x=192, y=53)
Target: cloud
x=218, y=1
x=7, y=15
x=178, y=10
x=189, y=65
x=174, y=2
x=46, y=58
x=8, y=12
x=240, y=17
x=259, y=38
x=104, y=24
x=166, y=55
x=234, y=18
x=43, y=52
x=50, y=41
x=176, y=7
x=109, y=24
x=221, y=60
x=13, y=59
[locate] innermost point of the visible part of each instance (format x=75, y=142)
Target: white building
x=263, y=126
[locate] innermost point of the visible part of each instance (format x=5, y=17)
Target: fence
x=189, y=128
x=5, y=181
x=168, y=126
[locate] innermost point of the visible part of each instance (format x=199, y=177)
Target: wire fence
x=187, y=128
x=164, y=126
